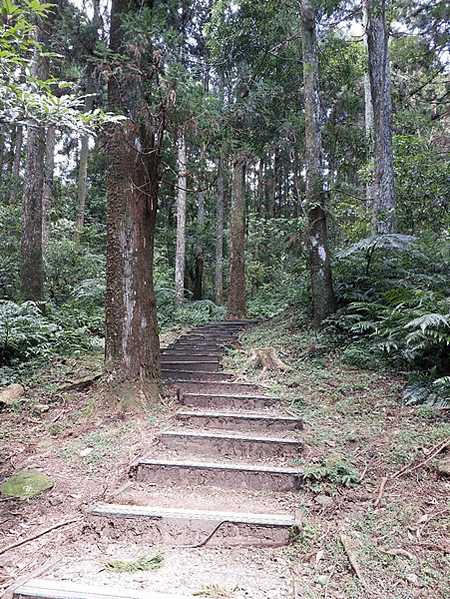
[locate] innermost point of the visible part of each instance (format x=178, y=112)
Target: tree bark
x=47, y=190
x=132, y=359
x=198, y=283
x=31, y=263
x=368, y=105
x=319, y=256
x=218, y=282
x=384, y=213
x=180, y=256
x=82, y=166
x=16, y=165
x=236, y=301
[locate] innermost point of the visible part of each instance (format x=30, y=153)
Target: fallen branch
x=399, y=551
x=434, y=451
x=381, y=491
x=352, y=559
x=38, y=534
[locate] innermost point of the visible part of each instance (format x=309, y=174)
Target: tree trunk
x=82, y=166
x=368, y=105
x=132, y=359
x=218, y=283
x=180, y=256
x=319, y=256
x=31, y=263
x=47, y=191
x=2, y=152
x=16, y=165
x=198, y=284
x=236, y=302
x=384, y=216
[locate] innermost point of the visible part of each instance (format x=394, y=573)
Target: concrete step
x=170, y=526
x=228, y=387
x=54, y=589
x=227, y=444
x=228, y=402
x=190, y=365
x=241, y=422
x=188, y=357
x=172, y=374
x=222, y=475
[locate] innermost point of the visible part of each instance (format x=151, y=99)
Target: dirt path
x=353, y=541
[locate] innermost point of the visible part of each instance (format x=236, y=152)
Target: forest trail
x=216, y=493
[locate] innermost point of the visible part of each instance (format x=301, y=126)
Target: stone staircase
x=226, y=435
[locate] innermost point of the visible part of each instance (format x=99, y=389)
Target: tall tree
x=384, y=217
x=32, y=264
x=236, y=301
x=132, y=359
x=180, y=254
x=218, y=279
x=319, y=256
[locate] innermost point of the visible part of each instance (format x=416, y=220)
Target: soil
x=357, y=538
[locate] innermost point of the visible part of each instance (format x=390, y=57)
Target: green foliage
x=9, y=251
x=331, y=470
x=397, y=314
x=67, y=265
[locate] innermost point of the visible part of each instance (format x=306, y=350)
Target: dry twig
x=38, y=534
x=352, y=558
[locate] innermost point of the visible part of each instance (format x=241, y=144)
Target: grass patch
x=144, y=563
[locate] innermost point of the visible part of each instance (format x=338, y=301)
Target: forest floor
x=375, y=504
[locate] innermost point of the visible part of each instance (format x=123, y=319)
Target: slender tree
x=32, y=264
x=384, y=216
x=319, y=256
x=180, y=254
x=236, y=301
x=218, y=281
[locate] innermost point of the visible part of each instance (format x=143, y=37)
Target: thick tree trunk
x=319, y=256
x=82, y=166
x=132, y=344
x=384, y=214
x=218, y=283
x=236, y=301
x=16, y=165
x=47, y=191
x=180, y=256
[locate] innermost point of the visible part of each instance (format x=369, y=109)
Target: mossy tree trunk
x=132, y=359
x=319, y=256
x=236, y=301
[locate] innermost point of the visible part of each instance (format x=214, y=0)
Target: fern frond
x=427, y=321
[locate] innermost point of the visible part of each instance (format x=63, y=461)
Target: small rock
x=443, y=467
x=41, y=408
x=10, y=394
x=324, y=501
x=26, y=484
x=413, y=579
x=55, y=501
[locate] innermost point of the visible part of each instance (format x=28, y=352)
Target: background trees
x=233, y=77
